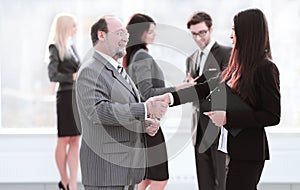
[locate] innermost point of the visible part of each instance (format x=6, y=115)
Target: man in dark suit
x=206, y=62
x=113, y=120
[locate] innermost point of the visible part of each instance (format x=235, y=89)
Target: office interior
x=27, y=104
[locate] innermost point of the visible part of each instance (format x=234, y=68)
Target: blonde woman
x=62, y=68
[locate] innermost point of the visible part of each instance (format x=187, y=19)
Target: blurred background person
x=149, y=79
x=209, y=59
x=63, y=65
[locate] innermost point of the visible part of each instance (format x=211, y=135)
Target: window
x=26, y=94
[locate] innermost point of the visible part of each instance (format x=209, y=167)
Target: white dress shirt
x=205, y=52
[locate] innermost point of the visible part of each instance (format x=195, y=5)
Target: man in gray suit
x=113, y=120
x=206, y=62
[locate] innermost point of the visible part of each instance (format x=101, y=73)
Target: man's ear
x=101, y=35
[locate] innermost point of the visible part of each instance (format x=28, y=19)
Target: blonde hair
x=61, y=32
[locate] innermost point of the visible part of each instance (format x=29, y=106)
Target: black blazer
x=251, y=143
x=217, y=61
x=62, y=71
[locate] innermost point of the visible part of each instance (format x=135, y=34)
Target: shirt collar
x=109, y=59
x=207, y=49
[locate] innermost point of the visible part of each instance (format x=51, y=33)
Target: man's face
x=116, y=38
x=201, y=34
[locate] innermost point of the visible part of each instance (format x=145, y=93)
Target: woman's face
x=149, y=36
x=73, y=29
x=232, y=35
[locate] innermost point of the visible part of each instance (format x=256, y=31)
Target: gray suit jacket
x=217, y=61
x=112, y=119
x=147, y=75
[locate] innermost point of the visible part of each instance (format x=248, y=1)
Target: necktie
x=200, y=65
x=124, y=74
x=126, y=77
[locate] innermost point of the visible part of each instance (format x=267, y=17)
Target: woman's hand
x=217, y=117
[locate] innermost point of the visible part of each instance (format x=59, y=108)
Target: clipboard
x=223, y=98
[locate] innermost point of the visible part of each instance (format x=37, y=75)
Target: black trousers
x=244, y=174
x=210, y=167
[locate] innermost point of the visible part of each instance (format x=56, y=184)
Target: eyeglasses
x=121, y=33
x=201, y=33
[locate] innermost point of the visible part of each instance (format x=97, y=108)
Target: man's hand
x=156, y=109
x=191, y=82
x=152, y=126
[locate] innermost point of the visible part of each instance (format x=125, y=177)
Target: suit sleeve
x=195, y=93
x=94, y=92
x=144, y=78
x=53, y=73
x=268, y=113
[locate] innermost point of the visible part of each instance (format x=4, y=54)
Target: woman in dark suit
x=149, y=79
x=62, y=68
x=253, y=76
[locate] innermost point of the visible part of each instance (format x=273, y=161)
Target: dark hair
x=137, y=25
x=200, y=17
x=252, y=45
x=101, y=25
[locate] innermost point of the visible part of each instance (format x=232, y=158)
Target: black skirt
x=66, y=125
x=157, y=158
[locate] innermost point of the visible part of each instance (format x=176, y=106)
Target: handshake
x=156, y=108
x=158, y=105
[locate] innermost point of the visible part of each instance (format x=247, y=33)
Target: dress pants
x=128, y=187
x=244, y=174
x=210, y=167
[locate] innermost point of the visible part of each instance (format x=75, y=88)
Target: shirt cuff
x=145, y=110
x=171, y=99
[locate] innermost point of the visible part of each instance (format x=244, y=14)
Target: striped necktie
x=131, y=84
x=124, y=74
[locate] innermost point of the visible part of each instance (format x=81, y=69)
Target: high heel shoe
x=62, y=187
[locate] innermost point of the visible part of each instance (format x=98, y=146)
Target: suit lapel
x=208, y=61
x=136, y=91
x=117, y=75
x=193, y=64
x=131, y=87
x=210, y=58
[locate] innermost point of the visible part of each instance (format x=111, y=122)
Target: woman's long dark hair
x=137, y=25
x=252, y=45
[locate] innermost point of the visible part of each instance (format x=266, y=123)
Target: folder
x=223, y=98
